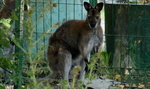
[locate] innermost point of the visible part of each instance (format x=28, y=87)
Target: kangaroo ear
x=87, y=6
x=99, y=6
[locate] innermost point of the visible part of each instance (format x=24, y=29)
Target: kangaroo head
x=93, y=14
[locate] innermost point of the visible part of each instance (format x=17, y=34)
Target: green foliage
x=7, y=64
x=1, y=86
x=104, y=57
x=6, y=22
x=34, y=63
x=92, y=66
x=4, y=33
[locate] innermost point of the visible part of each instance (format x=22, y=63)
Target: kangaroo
x=72, y=43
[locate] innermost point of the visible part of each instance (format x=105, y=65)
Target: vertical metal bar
x=82, y=9
x=44, y=28
x=58, y=11
x=104, y=3
x=128, y=52
x=74, y=9
x=146, y=69
x=66, y=10
x=36, y=33
x=51, y=14
x=0, y=3
x=113, y=35
x=17, y=50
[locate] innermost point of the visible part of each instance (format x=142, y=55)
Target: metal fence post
x=0, y=4
x=17, y=50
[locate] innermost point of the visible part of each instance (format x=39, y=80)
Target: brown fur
x=73, y=42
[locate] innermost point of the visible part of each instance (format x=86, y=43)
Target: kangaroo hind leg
x=60, y=64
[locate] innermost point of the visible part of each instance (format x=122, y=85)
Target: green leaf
x=6, y=63
x=14, y=16
x=1, y=51
x=19, y=45
x=4, y=42
x=6, y=22
x=2, y=87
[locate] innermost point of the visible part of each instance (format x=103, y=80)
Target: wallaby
x=73, y=42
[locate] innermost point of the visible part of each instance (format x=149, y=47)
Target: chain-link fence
x=45, y=18
x=127, y=26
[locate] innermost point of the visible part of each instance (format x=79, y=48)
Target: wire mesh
x=127, y=39
x=127, y=25
x=44, y=17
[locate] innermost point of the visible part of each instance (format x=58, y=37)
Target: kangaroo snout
x=92, y=25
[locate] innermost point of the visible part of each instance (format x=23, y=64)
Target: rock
x=101, y=84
